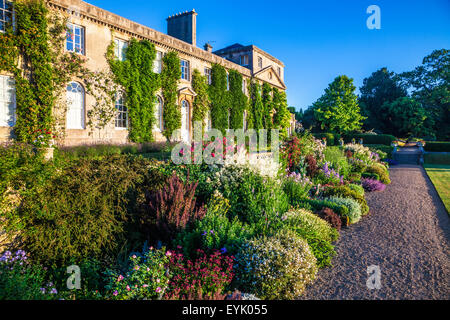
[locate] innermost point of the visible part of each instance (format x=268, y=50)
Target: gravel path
x=406, y=234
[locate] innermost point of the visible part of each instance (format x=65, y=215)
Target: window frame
x=4, y=12
x=185, y=66
x=118, y=49
x=160, y=105
x=208, y=74
x=83, y=106
x=121, y=112
x=243, y=59
x=4, y=104
x=260, y=62
x=82, y=38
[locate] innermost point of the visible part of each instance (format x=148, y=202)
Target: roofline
x=253, y=48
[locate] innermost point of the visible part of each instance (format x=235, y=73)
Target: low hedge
x=436, y=158
x=318, y=205
x=384, y=139
x=437, y=146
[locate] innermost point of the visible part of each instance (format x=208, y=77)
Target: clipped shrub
x=354, y=208
x=331, y=217
x=371, y=185
x=368, y=175
x=437, y=146
x=215, y=230
x=145, y=278
x=346, y=192
x=205, y=278
x=278, y=267
x=318, y=205
x=316, y=231
x=357, y=188
x=381, y=171
x=384, y=139
x=175, y=208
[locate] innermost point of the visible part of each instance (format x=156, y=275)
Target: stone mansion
x=92, y=26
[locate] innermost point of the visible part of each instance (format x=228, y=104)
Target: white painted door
x=75, y=106
x=185, y=121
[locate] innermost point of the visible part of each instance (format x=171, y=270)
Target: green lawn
x=440, y=176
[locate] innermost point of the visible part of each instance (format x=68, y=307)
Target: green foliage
x=437, y=146
x=296, y=190
x=317, y=232
x=201, y=100
x=318, y=205
x=337, y=160
x=219, y=98
x=381, y=171
x=171, y=73
x=433, y=158
x=267, y=106
x=83, y=210
x=369, y=175
x=346, y=192
x=257, y=105
x=332, y=138
x=430, y=83
x=238, y=100
x=254, y=199
x=354, y=208
x=282, y=117
x=381, y=87
x=357, y=188
x=408, y=117
x=278, y=267
x=338, y=110
x=384, y=151
x=215, y=231
x=384, y=139
x=136, y=76
x=145, y=278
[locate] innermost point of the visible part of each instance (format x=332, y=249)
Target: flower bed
x=204, y=223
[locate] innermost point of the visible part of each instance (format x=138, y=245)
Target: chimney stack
x=183, y=26
x=208, y=47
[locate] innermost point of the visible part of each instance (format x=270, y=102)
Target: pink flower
x=115, y=293
x=158, y=281
x=134, y=256
x=145, y=286
x=128, y=288
x=168, y=253
x=120, y=278
x=158, y=290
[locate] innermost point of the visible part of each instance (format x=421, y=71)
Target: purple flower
x=223, y=250
x=115, y=293
x=371, y=185
x=54, y=291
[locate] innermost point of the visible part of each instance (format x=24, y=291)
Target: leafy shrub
x=20, y=280
x=296, y=187
x=205, y=278
x=331, y=217
x=215, y=230
x=146, y=277
x=316, y=231
x=357, y=188
x=354, y=177
x=318, y=205
x=371, y=185
x=175, y=207
x=337, y=160
x=383, y=150
x=298, y=147
x=253, y=199
x=311, y=166
x=368, y=175
x=84, y=210
x=346, y=192
x=437, y=158
x=354, y=208
x=278, y=267
x=384, y=139
x=437, y=146
x=381, y=171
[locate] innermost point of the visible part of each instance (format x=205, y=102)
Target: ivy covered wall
x=219, y=98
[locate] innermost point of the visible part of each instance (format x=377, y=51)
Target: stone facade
x=101, y=27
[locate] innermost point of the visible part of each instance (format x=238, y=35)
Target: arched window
x=75, y=102
x=159, y=114
x=185, y=127
x=122, y=111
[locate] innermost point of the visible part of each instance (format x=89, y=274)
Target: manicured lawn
x=440, y=176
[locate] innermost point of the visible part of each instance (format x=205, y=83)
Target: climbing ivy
x=267, y=109
x=219, y=98
x=135, y=74
x=257, y=105
x=201, y=100
x=171, y=73
x=282, y=115
x=37, y=44
x=238, y=100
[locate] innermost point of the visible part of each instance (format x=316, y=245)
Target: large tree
x=430, y=85
x=380, y=88
x=405, y=117
x=338, y=109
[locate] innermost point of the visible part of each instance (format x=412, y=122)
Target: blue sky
x=316, y=40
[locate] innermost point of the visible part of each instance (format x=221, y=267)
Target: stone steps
x=407, y=156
